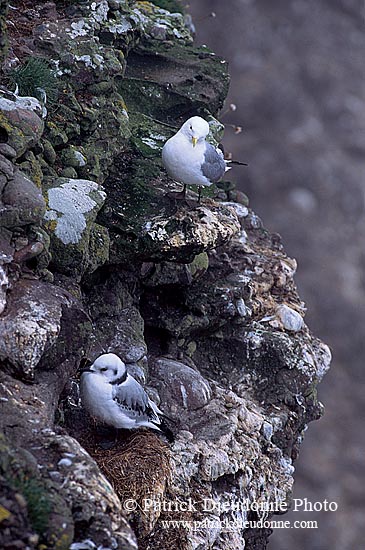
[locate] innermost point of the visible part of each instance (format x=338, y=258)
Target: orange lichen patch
x=145, y=6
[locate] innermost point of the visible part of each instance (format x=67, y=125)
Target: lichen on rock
x=72, y=208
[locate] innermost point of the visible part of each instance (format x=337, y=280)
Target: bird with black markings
x=189, y=159
x=111, y=395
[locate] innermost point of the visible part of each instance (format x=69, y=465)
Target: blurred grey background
x=297, y=78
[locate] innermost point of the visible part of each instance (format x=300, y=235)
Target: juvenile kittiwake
x=114, y=397
x=190, y=159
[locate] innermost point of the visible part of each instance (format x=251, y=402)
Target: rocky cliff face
x=96, y=256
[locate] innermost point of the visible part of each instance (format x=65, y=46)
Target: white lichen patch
x=140, y=19
x=57, y=69
x=184, y=396
x=65, y=462
x=242, y=237
x=287, y=465
x=86, y=544
x=169, y=19
x=156, y=230
x=155, y=141
x=100, y=11
x=95, y=62
x=68, y=205
x=158, y=137
x=172, y=23
x=150, y=143
x=121, y=27
x=177, y=33
x=78, y=28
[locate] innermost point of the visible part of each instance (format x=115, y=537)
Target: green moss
x=139, y=199
x=55, y=135
x=199, y=265
x=19, y=470
x=173, y=6
x=131, y=197
x=206, y=192
x=99, y=243
x=67, y=121
x=68, y=172
x=38, y=502
x=16, y=138
x=49, y=153
x=199, y=81
x=148, y=136
x=106, y=133
x=31, y=168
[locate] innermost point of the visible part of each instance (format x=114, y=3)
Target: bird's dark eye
x=191, y=127
x=115, y=371
x=103, y=369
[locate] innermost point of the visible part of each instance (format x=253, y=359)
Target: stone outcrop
x=97, y=256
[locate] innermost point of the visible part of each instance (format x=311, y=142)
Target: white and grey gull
x=111, y=395
x=191, y=160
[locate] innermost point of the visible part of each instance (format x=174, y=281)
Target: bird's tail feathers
x=166, y=431
x=165, y=417
x=155, y=408
x=159, y=413
x=237, y=162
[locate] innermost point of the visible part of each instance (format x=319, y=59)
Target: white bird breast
x=183, y=161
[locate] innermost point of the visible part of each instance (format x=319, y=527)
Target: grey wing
x=214, y=165
x=133, y=399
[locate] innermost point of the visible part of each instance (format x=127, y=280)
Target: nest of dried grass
x=139, y=462
x=139, y=468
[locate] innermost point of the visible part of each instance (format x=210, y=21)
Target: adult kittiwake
x=111, y=395
x=190, y=159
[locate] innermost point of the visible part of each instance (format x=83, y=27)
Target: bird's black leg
x=180, y=195
x=199, y=194
x=167, y=432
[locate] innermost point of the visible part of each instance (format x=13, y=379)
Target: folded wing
x=134, y=401
x=214, y=166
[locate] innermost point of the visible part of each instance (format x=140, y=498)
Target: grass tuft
x=35, y=73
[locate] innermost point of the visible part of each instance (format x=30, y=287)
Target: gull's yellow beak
x=194, y=140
